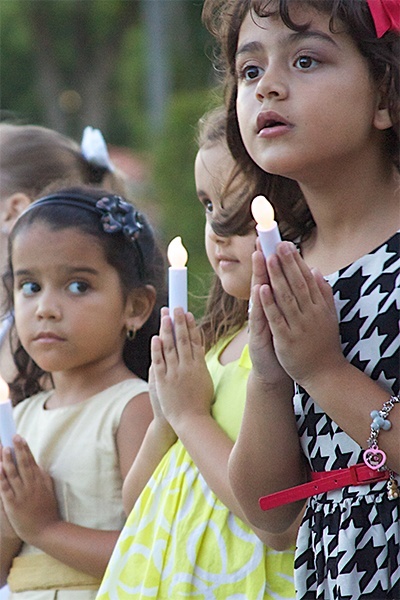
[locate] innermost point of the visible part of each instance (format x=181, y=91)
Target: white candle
x=267, y=228
x=7, y=425
x=177, y=276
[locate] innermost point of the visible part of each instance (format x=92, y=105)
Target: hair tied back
x=94, y=149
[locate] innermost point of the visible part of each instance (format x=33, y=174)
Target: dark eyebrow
x=311, y=33
x=248, y=48
x=69, y=271
x=77, y=270
x=22, y=272
x=296, y=36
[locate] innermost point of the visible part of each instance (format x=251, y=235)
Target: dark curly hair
x=224, y=18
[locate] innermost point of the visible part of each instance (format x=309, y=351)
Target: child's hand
x=301, y=314
x=27, y=493
x=262, y=353
x=184, y=384
x=6, y=531
x=159, y=419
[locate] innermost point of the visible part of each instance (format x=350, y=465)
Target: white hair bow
x=94, y=148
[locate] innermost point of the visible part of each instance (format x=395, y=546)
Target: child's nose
x=271, y=84
x=48, y=306
x=218, y=239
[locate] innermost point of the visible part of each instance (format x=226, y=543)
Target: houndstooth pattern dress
x=349, y=541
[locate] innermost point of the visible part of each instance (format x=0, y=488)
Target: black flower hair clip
x=119, y=215
x=116, y=215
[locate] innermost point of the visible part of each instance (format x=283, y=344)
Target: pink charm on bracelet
x=374, y=458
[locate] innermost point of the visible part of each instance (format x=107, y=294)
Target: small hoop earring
x=130, y=334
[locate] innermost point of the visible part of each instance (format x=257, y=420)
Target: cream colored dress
x=76, y=445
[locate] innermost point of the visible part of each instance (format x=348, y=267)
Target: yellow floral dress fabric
x=180, y=541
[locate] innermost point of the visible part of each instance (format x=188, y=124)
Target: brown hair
x=224, y=18
x=224, y=314
x=34, y=160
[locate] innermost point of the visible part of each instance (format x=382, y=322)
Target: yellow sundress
x=180, y=541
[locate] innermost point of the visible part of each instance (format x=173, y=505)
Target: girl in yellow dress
x=186, y=536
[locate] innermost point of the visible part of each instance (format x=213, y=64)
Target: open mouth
x=270, y=120
x=271, y=124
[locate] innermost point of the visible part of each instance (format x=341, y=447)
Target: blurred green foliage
x=17, y=94
x=73, y=38
x=174, y=187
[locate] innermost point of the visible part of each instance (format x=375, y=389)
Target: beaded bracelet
x=374, y=457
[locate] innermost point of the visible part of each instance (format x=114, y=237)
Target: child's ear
x=139, y=306
x=14, y=206
x=382, y=119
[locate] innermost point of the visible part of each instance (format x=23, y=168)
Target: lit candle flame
x=177, y=254
x=263, y=212
x=4, y=391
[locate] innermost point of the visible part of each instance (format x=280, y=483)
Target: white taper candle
x=7, y=425
x=177, y=276
x=266, y=227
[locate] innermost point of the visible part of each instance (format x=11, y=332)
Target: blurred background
x=141, y=71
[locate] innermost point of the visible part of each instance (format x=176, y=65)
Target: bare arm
x=31, y=507
x=9, y=550
x=295, y=310
x=212, y=458
x=267, y=456
x=132, y=429
x=304, y=323
x=186, y=391
x=32, y=510
x=10, y=544
x=158, y=439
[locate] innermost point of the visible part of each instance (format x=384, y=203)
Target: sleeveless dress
x=180, y=541
x=76, y=445
x=348, y=546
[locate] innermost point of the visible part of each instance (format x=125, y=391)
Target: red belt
x=324, y=481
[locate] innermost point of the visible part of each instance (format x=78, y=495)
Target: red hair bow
x=386, y=15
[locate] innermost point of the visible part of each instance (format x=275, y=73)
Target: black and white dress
x=348, y=545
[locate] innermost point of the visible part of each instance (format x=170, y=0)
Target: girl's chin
x=274, y=166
